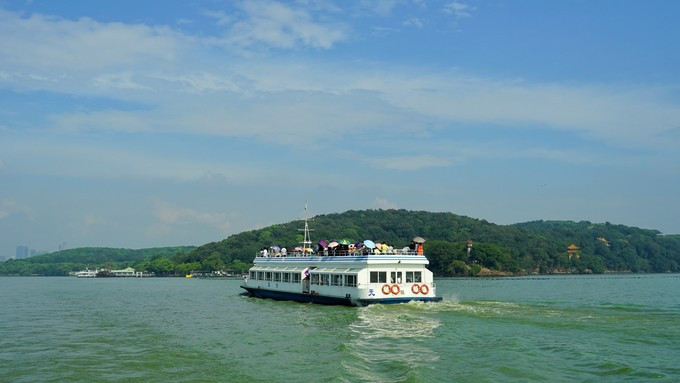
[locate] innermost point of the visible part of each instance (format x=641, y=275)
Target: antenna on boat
x=307, y=241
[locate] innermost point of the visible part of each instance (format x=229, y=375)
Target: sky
x=142, y=124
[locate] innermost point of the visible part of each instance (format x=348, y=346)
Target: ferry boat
x=342, y=273
x=87, y=273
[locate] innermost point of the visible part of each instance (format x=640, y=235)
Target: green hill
x=524, y=248
x=65, y=261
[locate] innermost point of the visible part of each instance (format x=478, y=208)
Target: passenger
x=284, y=252
x=384, y=249
x=264, y=252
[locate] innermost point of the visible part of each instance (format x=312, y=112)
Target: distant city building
x=22, y=252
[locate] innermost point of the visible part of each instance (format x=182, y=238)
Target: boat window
x=351, y=280
x=417, y=276
x=336, y=280
x=409, y=277
x=296, y=278
x=315, y=279
x=260, y=275
x=395, y=277
x=325, y=279
x=252, y=275
x=378, y=277
x=268, y=276
x=277, y=277
x=286, y=277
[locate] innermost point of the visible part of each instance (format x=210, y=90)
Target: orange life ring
x=424, y=289
x=386, y=289
x=395, y=289
x=415, y=289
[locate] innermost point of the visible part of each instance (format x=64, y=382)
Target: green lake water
x=610, y=328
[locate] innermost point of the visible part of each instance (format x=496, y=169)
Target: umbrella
x=368, y=243
x=333, y=244
x=418, y=240
x=344, y=242
x=275, y=248
x=378, y=245
x=323, y=244
x=299, y=248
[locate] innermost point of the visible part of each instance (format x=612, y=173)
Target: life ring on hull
x=415, y=289
x=395, y=289
x=424, y=289
x=386, y=289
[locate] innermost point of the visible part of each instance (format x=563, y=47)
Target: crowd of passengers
x=334, y=248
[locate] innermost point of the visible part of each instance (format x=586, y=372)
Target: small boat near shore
x=343, y=273
x=106, y=273
x=87, y=273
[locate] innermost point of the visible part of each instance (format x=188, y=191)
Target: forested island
x=538, y=247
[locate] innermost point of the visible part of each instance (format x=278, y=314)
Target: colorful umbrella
x=368, y=243
x=333, y=244
x=344, y=242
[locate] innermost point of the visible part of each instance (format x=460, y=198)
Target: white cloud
x=279, y=25
x=106, y=120
x=414, y=22
x=53, y=43
x=458, y=9
x=121, y=80
x=201, y=82
x=221, y=18
x=414, y=162
x=169, y=216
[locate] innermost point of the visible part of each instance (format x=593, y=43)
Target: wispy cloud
x=169, y=217
x=458, y=9
x=414, y=22
x=278, y=25
x=408, y=163
x=123, y=80
x=47, y=42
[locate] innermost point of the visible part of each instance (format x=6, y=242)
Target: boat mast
x=306, y=241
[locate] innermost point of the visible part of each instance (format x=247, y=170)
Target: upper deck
x=354, y=260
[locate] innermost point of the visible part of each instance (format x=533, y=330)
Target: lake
x=555, y=328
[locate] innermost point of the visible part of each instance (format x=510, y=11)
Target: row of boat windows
x=315, y=279
x=396, y=276
x=339, y=279
x=276, y=276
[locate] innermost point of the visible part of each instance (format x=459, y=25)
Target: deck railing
x=338, y=253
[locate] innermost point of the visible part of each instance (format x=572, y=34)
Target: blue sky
x=143, y=124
